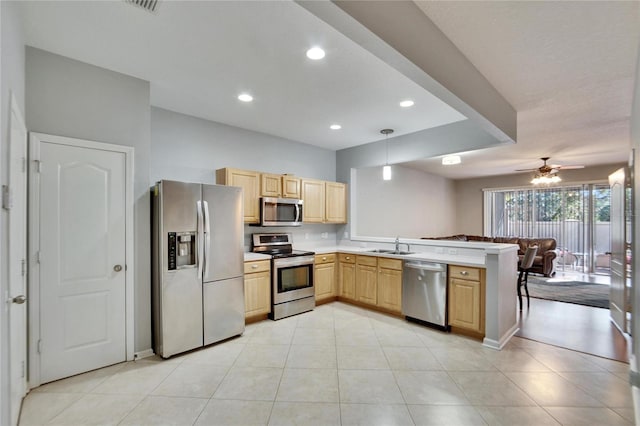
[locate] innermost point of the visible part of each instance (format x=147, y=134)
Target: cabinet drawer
x=257, y=266
x=464, y=273
x=384, y=262
x=325, y=258
x=347, y=258
x=367, y=260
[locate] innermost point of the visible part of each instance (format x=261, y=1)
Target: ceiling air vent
x=148, y=5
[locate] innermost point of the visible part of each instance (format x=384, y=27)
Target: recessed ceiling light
x=315, y=53
x=335, y=127
x=450, y=160
x=406, y=104
x=245, y=97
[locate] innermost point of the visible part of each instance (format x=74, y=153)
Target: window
x=577, y=216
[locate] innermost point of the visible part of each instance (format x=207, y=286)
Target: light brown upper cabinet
x=313, y=197
x=270, y=185
x=336, y=202
x=290, y=187
x=249, y=181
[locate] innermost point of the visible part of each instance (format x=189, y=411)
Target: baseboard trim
x=499, y=344
x=143, y=354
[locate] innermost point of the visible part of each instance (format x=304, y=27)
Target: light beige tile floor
x=344, y=365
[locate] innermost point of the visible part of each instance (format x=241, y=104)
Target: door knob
x=19, y=299
x=117, y=268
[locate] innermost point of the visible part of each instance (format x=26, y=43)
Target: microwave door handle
x=207, y=237
x=298, y=218
x=200, y=238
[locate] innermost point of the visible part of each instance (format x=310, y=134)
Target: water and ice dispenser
x=182, y=250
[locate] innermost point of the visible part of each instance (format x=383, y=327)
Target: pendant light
x=386, y=170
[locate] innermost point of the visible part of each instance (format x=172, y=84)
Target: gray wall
x=11, y=81
x=192, y=149
x=412, y=204
x=69, y=98
x=469, y=195
x=189, y=148
x=456, y=137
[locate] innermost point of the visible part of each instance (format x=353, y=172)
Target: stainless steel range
x=292, y=289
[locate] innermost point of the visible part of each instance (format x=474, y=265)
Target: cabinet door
x=390, y=289
x=249, y=181
x=313, y=197
x=336, y=202
x=366, y=283
x=324, y=281
x=464, y=304
x=257, y=293
x=270, y=185
x=290, y=187
x=347, y=278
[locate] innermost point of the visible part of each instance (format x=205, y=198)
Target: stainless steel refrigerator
x=197, y=265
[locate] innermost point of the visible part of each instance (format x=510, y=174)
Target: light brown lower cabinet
x=367, y=279
x=257, y=288
x=390, y=284
x=467, y=299
x=347, y=276
x=324, y=280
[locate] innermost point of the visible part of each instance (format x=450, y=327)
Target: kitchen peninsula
x=495, y=263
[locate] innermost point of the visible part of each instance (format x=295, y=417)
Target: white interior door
x=82, y=254
x=618, y=299
x=17, y=256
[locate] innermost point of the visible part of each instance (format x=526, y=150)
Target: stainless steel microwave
x=280, y=211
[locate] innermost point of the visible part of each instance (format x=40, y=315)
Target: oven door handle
x=295, y=261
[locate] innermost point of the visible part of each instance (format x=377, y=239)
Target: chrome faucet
x=408, y=247
x=398, y=243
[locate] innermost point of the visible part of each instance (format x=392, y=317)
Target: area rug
x=578, y=292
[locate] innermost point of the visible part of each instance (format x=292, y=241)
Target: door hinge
x=24, y=267
x=7, y=197
x=39, y=346
x=22, y=369
x=38, y=256
x=38, y=165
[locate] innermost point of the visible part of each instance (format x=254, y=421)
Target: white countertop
x=478, y=260
x=250, y=256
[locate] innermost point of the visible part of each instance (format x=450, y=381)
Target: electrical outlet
x=324, y=235
x=453, y=251
x=306, y=235
x=345, y=235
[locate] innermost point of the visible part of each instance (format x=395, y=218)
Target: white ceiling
x=566, y=67
x=198, y=56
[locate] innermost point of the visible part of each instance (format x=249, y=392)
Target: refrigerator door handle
x=207, y=237
x=200, y=238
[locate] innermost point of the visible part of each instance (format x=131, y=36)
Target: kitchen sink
x=401, y=253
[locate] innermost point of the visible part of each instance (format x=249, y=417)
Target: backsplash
x=317, y=234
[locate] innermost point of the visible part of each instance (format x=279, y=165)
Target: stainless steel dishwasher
x=424, y=292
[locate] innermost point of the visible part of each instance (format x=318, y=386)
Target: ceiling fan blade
x=569, y=167
x=526, y=170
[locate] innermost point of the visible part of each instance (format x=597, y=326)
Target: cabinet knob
x=254, y=266
x=348, y=258
x=324, y=258
x=464, y=273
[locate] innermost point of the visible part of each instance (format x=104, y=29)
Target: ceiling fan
x=546, y=169
x=546, y=174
